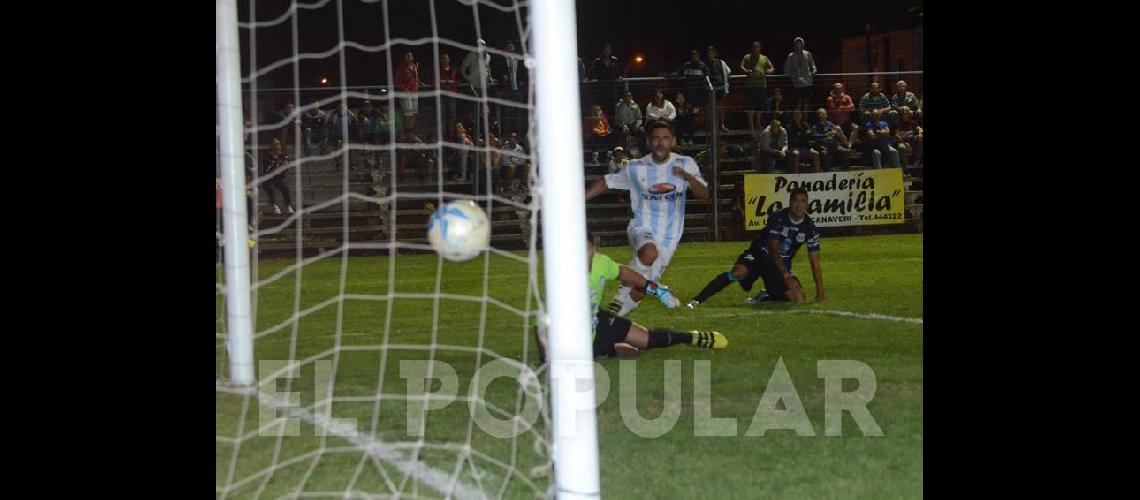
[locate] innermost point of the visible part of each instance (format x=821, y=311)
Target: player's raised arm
x=598, y=187
x=700, y=187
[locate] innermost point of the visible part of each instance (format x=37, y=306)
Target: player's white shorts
x=411, y=105
x=638, y=237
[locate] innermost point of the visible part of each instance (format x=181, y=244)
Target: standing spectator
x=757, y=66
x=660, y=108
x=511, y=76
x=800, y=67
x=341, y=123
x=508, y=68
x=772, y=147
x=839, y=108
x=607, y=72
x=291, y=124
x=718, y=76
x=879, y=140
x=628, y=119
x=903, y=97
x=447, y=80
x=874, y=101
x=908, y=138
x=830, y=141
x=274, y=179
x=313, y=126
x=408, y=80
x=777, y=109
x=476, y=71
x=799, y=142
x=386, y=125
x=696, y=74
x=366, y=123
x=685, y=116
x=412, y=159
x=456, y=158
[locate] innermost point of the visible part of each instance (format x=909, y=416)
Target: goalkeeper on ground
x=617, y=336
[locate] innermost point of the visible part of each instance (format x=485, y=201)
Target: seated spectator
x=618, y=160
x=772, y=147
x=385, y=125
x=597, y=128
x=313, y=127
x=685, y=117
x=799, y=141
x=660, y=108
x=275, y=176
x=515, y=164
x=879, y=140
x=903, y=97
x=777, y=109
x=628, y=120
x=839, y=108
x=874, y=100
x=908, y=138
x=829, y=139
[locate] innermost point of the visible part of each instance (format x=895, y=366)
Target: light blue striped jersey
x=657, y=195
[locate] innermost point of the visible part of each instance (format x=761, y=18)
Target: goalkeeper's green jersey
x=602, y=268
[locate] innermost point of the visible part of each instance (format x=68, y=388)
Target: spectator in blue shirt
x=879, y=140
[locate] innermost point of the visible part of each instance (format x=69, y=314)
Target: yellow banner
x=859, y=198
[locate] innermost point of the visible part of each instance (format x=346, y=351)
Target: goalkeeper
x=617, y=336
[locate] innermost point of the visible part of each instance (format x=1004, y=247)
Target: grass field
x=872, y=315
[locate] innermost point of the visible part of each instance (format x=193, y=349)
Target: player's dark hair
x=794, y=192
x=656, y=124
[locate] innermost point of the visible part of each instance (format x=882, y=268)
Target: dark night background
x=662, y=31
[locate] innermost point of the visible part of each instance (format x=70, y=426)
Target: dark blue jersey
x=789, y=236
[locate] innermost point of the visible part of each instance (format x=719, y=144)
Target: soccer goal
x=351, y=361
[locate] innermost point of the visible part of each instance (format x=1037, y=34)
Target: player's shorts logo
x=662, y=188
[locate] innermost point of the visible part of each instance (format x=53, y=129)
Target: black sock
x=664, y=337
x=717, y=284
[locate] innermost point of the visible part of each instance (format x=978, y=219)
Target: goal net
x=351, y=361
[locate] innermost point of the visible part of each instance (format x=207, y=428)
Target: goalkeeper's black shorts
x=610, y=330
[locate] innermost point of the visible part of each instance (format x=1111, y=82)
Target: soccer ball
x=459, y=230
